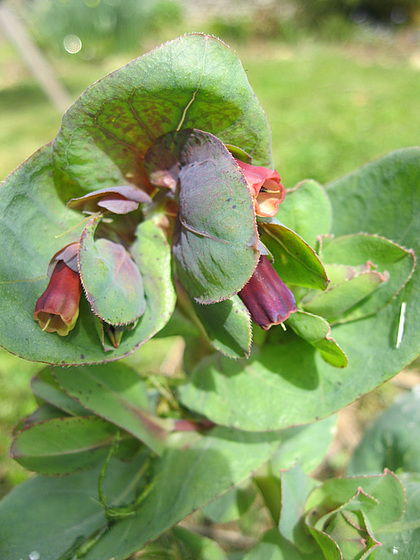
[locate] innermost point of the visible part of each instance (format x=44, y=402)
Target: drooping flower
x=267, y=297
x=57, y=309
x=266, y=188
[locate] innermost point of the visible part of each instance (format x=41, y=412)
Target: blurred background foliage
x=339, y=80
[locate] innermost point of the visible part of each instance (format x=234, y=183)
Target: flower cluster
x=267, y=298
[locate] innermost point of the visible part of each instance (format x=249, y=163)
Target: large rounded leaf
x=195, y=81
x=34, y=225
x=286, y=382
x=215, y=236
x=112, y=282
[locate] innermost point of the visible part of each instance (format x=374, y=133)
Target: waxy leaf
x=111, y=280
x=193, y=81
x=317, y=331
x=215, y=236
x=386, y=257
x=294, y=260
x=341, y=298
x=192, y=471
x=401, y=539
x=116, y=392
x=345, y=514
x=307, y=211
x=63, y=445
x=45, y=387
x=227, y=325
x=64, y=512
x=382, y=198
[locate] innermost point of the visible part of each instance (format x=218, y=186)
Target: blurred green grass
x=332, y=108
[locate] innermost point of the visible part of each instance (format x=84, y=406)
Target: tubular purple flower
x=267, y=297
x=57, y=309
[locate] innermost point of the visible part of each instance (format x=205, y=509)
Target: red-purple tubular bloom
x=267, y=297
x=57, y=309
x=265, y=186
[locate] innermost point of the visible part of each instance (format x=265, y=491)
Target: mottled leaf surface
x=215, y=237
x=195, y=81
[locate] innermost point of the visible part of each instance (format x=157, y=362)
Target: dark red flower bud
x=267, y=297
x=58, y=307
x=265, y=186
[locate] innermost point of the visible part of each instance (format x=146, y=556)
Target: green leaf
x=275, y=547
x=294, y=260
x=215, y=236
x=63, y=445
x=112, y=282
x=345, y=514
x=295, y=489
x=228, y=326
x=307, y=445
x=195, y=81
x=45, y=387
x=193, y=471
x=395, y=263
x=34, y=225
x=341, y=298
x=392, y=440
x=286, y=382
x=385, y=489
x=51, y=515
x=115, y=392
x=307, y=211
x=382, y=198
x=231, y=505
x=402, y=539
x=202, y=548
x=317, y=332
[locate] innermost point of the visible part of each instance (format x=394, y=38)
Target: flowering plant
x=157, y=212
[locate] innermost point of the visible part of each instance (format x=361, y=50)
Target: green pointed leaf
x=392, y=440
x=115, y=392
x=228, y=326
x=394, y=262
x=45, y=387
x=112, y=282
x=195, y=81
x=63, y=512
x=294, y=260
x=63, y=445
x=317, y=332
x=215, y=237
x=307, y=211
